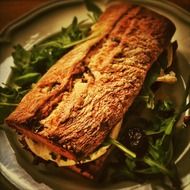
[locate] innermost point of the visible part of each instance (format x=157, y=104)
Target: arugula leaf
x=159, y=130
x=96, y=11
x=159, y=166
x=169, y=123
x=9, y=98
x=27, y=78
x=75, y=32
x=21, y=58
x=147, y=94
x=130, y=164
x=127, y=152
x=164, y=105
x=184, y=105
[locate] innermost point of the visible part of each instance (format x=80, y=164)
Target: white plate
x=15, y=163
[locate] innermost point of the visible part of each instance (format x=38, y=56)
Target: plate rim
x=5, y=32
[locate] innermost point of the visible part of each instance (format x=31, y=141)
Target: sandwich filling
x=45, y=153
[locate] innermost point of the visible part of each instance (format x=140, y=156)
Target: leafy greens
x=159, y=131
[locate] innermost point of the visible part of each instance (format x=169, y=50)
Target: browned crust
x=133, y=33
x=50, y=145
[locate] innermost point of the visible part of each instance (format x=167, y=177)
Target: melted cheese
x=41, y=150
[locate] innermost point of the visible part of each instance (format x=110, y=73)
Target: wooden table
x=12, y=9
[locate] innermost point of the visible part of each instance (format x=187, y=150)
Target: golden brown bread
x=86, y=93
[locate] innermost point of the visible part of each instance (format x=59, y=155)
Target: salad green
x=157, y=117
x=159, y=131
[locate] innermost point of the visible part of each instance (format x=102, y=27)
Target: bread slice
x=76, y=104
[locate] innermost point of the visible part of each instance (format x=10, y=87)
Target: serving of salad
x=145, y=149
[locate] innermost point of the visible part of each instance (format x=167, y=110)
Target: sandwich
x=82, y=99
